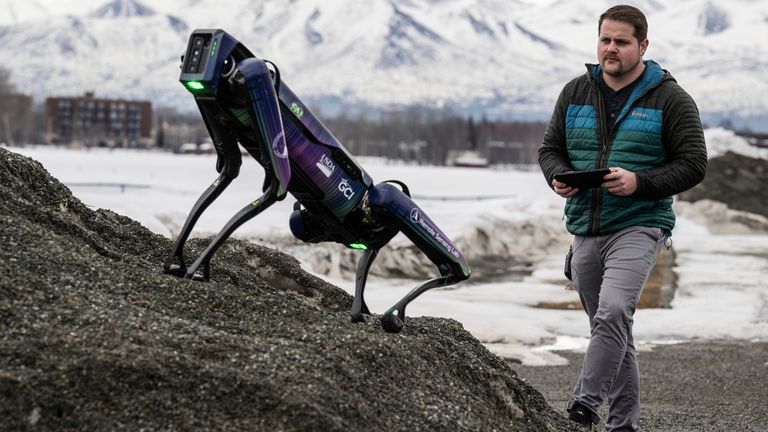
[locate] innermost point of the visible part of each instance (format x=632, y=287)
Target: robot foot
x=391, y=323
x=360, y=317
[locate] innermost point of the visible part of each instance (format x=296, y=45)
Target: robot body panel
x=419, y=228
x=266, y=112
x=341, y=193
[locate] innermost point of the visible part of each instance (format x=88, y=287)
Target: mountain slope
x=499, y=57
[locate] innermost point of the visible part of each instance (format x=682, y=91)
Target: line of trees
x=429, y=136
x=415, y=134
x=19, y=121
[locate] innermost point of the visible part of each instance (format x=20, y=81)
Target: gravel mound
x=93, y=336
x=736, y=180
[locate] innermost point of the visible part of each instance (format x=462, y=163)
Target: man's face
x=618, y=51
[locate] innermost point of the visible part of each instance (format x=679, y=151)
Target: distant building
x=506, y=153
x=467, y=158
x=91, y=121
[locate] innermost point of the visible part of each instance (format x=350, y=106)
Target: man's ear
x=644, y=46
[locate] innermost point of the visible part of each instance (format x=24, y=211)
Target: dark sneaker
x=580, y=414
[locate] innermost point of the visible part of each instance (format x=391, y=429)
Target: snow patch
x=719, y=219
x=719, y=141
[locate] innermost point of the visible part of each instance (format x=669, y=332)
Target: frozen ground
x=721, y=261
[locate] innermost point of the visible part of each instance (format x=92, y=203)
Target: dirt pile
x=93, y=336
x=736, y=180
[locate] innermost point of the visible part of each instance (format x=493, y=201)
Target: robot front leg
x=393, y=319
x=394, y=207
x=244, y=215
x=228, y=161
x=208, y=196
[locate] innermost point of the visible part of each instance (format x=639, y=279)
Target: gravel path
x=700, y=386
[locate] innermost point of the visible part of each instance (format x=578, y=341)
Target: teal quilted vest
x=634, y=143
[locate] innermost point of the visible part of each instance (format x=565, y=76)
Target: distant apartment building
x=92, y=121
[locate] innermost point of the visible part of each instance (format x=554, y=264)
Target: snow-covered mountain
x=500, y=57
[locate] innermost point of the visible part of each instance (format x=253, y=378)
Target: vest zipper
x=597, y=196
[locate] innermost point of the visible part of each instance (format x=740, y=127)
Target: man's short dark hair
x=627, y=14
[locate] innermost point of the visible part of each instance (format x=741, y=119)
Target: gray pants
x=609, y=273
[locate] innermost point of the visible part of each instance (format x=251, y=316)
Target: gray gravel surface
x=693, y=387
x=93, y=336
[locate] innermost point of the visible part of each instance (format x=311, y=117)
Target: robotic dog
x=243, y=101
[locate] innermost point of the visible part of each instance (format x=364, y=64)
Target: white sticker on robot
x=415, y=215
x=326, y=165
x=418, y=220
x=279, y=147
x=346, y=189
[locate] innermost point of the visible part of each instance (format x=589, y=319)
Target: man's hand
x=563, y=189
x=620, y=182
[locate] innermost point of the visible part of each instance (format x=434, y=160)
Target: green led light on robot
x=360, y=246
x=194, y=85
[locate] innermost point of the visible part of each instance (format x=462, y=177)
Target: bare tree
x=426, y=135
x=15, y=112
x=6, y=87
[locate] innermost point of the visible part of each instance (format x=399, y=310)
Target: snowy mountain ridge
x=501, y=58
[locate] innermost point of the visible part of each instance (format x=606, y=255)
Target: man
x=631, y=116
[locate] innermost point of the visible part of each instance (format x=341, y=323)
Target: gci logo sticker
x=346, y=189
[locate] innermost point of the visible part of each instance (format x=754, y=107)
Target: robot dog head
x=211, y=54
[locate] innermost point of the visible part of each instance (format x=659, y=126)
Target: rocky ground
x=692, y=387
x=93, y=336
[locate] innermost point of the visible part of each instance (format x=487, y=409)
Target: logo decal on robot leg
x=445, y=243
x=417, y=219
x=415, y=215
x=278, y=146
x=297, y=110
x=346, y=189
x=326, y=165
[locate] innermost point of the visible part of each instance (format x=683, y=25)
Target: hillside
x=96, y=337
x=484, y=57
x=736, y=180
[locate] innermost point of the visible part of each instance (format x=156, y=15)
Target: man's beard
x=620, y=71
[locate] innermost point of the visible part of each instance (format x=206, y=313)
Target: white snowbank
x=719, y=141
